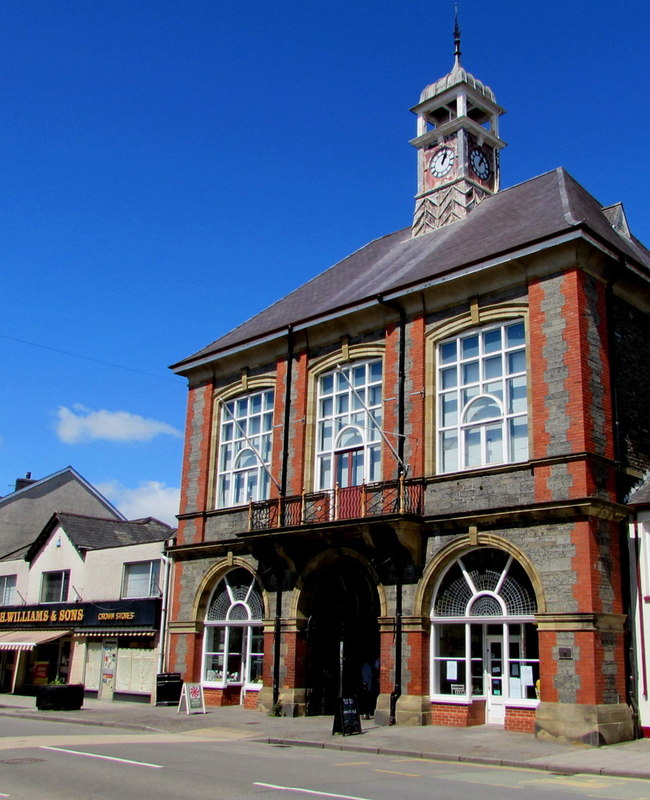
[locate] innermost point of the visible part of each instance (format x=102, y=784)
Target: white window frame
x=244, y=450
x=250, y=627
x=348, y=421
x=482, y=398
x=438, y=661
x=8, y=590
x=153, y=582
x=65, y=585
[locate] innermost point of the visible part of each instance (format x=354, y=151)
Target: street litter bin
x=168, y=688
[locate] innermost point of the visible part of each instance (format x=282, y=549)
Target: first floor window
x=141, y=579
x=54, y=586
x=233, y=641
x=244, y=458
x=7, y=590
x=349, y=419
x=482, y=405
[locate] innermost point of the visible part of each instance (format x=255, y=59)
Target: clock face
x=441, y=161
x=480, y=164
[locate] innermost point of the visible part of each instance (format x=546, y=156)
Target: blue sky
x=170, y=167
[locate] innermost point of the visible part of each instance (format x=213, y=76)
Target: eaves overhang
x=578, y=231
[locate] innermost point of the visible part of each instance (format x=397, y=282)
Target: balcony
x=386, y=498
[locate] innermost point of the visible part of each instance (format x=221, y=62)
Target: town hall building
x=404, y=481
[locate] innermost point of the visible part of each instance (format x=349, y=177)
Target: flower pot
x=60, y=697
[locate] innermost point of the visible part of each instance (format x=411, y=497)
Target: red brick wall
x=417, y=647
x=521, y=720
x=391, y=400
x=458, y=715
x=415, y=392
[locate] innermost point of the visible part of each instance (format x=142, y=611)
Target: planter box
x=65, y=697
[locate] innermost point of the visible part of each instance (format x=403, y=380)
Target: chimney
x=22, y=482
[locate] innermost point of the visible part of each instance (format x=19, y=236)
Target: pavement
x=483, y=744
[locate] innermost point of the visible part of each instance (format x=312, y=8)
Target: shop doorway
x=341, y=607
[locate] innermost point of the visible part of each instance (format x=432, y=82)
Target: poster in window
x=452, y=670
x=527, y=675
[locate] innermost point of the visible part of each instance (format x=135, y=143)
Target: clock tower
x=458, y=147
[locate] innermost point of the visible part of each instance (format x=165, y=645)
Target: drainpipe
x=277, y=624
x=277, y=632
x=401, y=364
x=287, y=422
x=401, y=403
x=397, y=689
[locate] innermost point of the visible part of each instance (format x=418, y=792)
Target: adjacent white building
x=83, y=602
x=639, y=542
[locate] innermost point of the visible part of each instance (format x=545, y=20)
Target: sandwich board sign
x=192, y=696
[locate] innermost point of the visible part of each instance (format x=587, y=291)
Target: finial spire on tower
x=456, y=37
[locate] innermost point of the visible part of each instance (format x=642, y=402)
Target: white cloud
x=80, y=424
x=149, y=499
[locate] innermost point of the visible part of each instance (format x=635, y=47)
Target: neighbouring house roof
x=23, y=513
x=534, y=213
x=93, y=533
x=641, y=495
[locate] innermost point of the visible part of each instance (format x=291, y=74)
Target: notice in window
x=514, y=688
x=452, y=670
x=527, y=675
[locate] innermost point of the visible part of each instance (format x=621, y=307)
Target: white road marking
x=308, y=791
x=105, y=758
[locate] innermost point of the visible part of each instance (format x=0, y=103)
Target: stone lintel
x=410, y=624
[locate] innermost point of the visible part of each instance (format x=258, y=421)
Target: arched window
x=245, y=439
x=482, y=411
x=233, y=640
x=349, y=418
x=484, y=640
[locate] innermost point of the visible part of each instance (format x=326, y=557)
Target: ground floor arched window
x=233, y=638
x=484, y=637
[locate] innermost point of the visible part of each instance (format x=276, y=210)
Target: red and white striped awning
x=27, y=640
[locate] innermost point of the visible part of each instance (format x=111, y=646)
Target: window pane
x=472, y=447
x=470, y=372
x=449, y=410
x=375, y=371
x=449, y=452
x=494, y=443
x=518, y=439
x=359, y=376
x=492, y=368
x=448, y=378
x=492, y=340
x=516, y=361
x=515, y=334
x=517, y=395
x=327, y=384
x=482, y=408
x=469, y=346
x=447, y=352
x=375, y=464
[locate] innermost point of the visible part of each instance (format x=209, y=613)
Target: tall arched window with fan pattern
x=484, y=637
x=233, y=640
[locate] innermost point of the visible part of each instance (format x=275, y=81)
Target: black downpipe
x=397, y=689
x=401, y=406
x=401, y=366
x=277, y=628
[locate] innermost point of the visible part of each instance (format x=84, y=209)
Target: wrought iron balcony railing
x=354, y=502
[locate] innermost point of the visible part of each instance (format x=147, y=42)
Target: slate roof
x=529, y=214
x=641, y=495
x=93, y=533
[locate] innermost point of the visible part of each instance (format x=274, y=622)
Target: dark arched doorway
x=341, y=606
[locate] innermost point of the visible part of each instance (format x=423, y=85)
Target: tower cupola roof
x=457, y=76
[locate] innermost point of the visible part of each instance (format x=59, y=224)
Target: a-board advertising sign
x=347, y=720
x=192, y=697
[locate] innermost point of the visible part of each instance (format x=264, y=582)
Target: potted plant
x=60, y=696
